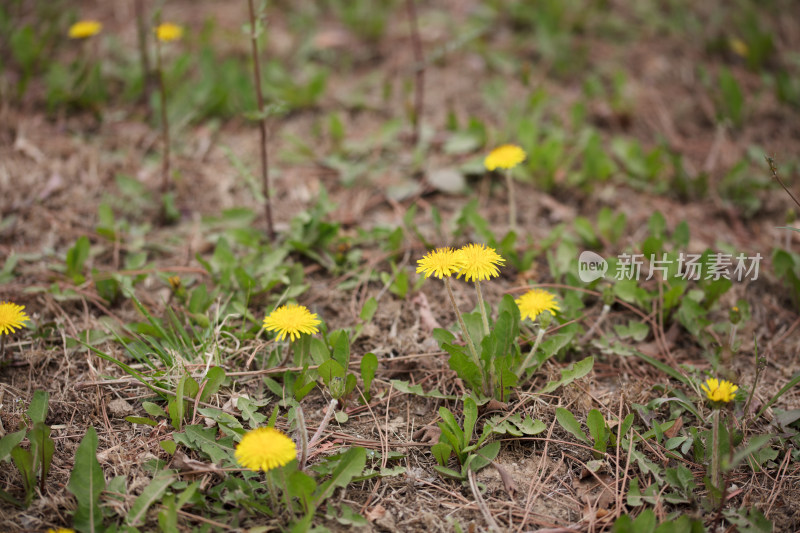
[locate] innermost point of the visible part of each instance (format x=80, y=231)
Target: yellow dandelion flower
x=12, y=317
x=506, y=156
x=739, y=47
x=535, y=302
x=480, y=262
x=292, y=320
x=719, y=391
x=264, y=449
x=441, y=263
x=60, y=530
x=84, y=29
x=168, y=32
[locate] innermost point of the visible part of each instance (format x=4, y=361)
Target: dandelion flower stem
x=286, y=500
x=461, y=323
x=144, y=59
x=2, y=346
x=482, y=307
x=302, y=431
x=325, y=421
x=529, y=358
x=715, y=444
x=600, y=319
x=732, y=338
x=512, y=205
x=164, y=120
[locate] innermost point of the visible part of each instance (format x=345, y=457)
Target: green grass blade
x=661, y=366
x=794, y=381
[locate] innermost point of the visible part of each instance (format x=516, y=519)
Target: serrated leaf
x=87, y=482
x=405, y=387
x=204, y=439
x=250, y=412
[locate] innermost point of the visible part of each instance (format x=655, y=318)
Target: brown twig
x=419, y=70
x=262, y=122
x=774, y=170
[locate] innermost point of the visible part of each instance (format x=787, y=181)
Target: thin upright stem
x=600, y=319
x=774, y=170
x=482, y=307
x=286, y=497
x=302, y=432
x=419, y=69
x=529, y=358
x=325, y=421
x=262, y=122
x=512, y=205
x=164, y=120
x=144, y=58
x=715, y=444
x=461, y=323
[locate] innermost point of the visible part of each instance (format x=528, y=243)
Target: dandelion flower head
x=506, y=156
x=292, y=320
x=12, y=317
x=60, y=530
x=264, y=449
x=535, y=302
x=441, y=263
x=84, y=29
x=168, y=32
x=719, y=390
x=480, y=262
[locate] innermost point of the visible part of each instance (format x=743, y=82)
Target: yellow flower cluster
x=168, y=32
x=476, y=262
x=719, y=391
x=12, y=316
x=506, y=156
x=84, y=29
x=265, y=448
x=292, y=320
x=535, y=302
